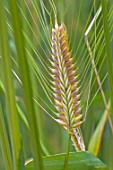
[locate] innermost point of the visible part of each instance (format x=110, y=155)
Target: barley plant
x=56, y=85
x=65, y=86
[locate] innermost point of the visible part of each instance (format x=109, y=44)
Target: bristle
x=65, y=84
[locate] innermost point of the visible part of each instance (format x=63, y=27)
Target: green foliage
x=108, y=50
x=12, y=115
x=78, y=161
x=27, y=88
x=4, y=143
x=27, y=126
x=95, y=142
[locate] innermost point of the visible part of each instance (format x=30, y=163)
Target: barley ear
x=65, y=86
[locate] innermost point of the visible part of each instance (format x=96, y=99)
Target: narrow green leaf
x=108, y=50
x=77, y=161
x=12, y=115
x=4, y=143
x=27, y=85
x=95, y=142
x=22, y=117
x=2, y=90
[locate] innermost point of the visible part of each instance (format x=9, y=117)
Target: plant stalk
x=67, y=152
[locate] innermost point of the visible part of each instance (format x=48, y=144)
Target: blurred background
x=37, y=19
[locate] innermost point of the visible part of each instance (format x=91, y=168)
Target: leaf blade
x=77, y=160
x=94, y=143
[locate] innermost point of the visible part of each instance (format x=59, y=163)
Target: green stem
x=67, y=153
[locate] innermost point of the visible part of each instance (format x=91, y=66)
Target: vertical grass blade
x=27, y=87
x=12, y=115
x=108, y=50
x=4, y=143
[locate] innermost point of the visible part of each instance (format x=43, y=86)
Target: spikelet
x=65, y=86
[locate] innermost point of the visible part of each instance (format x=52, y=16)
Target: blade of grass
x=108, y=51
x=27, y=88
x=12, y=115
x=5, y=143
x=2, y=90
x=95, y=142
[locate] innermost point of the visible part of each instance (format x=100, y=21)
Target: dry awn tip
x=65, y=86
